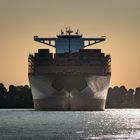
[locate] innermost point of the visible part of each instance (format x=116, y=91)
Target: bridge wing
x=47, y=41
x=92, y=41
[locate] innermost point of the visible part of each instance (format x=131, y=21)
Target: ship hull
x=69, y=92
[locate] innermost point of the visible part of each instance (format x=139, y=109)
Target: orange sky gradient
x=118, y=20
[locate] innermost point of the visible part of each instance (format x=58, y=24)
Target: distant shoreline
x=20, y=97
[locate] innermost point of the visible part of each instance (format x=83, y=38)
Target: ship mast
x=69, y=34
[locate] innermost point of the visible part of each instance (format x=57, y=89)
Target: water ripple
x=39, y=125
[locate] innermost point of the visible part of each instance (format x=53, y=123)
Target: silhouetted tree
x=137, y=97
x=110, y=98
x=3, y=90
x=3, y=93
x=122, y=96
x=130, y=98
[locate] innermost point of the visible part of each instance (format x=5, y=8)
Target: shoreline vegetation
x=21, y=97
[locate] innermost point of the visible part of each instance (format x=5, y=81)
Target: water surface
x=42, y=125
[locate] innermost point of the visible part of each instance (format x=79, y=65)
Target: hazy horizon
x=117, y=20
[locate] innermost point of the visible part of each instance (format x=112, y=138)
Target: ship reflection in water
x=41, y=125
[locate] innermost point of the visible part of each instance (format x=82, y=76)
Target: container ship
x=71, y=79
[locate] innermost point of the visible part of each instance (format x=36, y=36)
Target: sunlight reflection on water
x=40, y=125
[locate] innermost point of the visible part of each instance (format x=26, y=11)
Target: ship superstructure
x=73, y=78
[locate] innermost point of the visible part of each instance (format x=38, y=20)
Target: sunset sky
x=118, y=20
